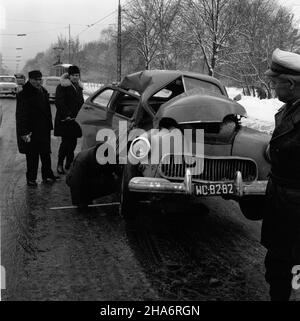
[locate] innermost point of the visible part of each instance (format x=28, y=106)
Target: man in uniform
x=34, y=125
x=281, y=221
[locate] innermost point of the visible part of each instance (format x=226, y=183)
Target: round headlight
x=140, y=148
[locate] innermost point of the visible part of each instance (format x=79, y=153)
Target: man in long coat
x=281, y=222
x=34, y=125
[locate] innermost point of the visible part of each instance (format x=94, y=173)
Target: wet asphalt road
x=209, y=252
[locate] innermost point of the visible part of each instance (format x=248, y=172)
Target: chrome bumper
x=162, y=185
x=8, y=91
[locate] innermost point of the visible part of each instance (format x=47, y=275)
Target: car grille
x=215, y=168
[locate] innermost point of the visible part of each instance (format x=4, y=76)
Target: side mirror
x=237, y=97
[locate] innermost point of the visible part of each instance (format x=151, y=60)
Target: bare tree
x=149, y=23
x=212, y=23
x=266, y=26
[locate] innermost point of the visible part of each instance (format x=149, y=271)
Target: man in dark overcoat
x=68, y=101
x=281, y=222
x=34, y=125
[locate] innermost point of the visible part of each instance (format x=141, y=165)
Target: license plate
x=207, y=189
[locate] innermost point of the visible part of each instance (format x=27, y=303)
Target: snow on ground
x=89, y=88
x=260, y=111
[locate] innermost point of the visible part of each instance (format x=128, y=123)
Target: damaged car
x=222, y=157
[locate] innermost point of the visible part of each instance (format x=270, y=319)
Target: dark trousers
x=32, y=159
x=66, y=149
x=279, y=276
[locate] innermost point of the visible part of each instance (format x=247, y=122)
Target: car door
x=123, y=110
x=98, y=113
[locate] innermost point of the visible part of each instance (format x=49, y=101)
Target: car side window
x=201, y=86
x=126, y=105
x=103, y=98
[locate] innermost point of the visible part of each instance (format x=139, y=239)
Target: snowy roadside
x=89, y=88
x=260, y=112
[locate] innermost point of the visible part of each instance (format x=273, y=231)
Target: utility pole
x=69, y=43
x=119, y=54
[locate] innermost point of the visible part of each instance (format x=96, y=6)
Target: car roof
x=155, y=79
x=51, y=77
x=148, y=82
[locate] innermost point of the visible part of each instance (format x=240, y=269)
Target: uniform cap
x=284, y=64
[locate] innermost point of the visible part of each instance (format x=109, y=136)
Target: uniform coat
x=281, y=222
x=33, y=115
x=68, y=101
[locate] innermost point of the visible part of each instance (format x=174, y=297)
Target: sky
x=44, y=20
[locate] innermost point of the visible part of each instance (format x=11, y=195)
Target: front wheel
x=129, y=201
x=253, y=207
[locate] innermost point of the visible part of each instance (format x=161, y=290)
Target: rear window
x=52, y=82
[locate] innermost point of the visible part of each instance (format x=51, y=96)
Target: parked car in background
x=8, y=85
x=233, y=165
x=21, y=79
x=50, y=83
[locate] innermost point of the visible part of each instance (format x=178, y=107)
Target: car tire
x=129, y=201
x=253, y=207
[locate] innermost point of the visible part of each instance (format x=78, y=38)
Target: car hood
x=8, y=84
x=199, y=108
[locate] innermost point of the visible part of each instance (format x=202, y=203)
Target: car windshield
x=52, y=82
x=7, y=79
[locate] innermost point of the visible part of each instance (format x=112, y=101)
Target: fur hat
x=284, y=65
x=34, y=74
x=73, y=70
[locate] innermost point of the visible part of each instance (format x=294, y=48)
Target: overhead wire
x=102, y=19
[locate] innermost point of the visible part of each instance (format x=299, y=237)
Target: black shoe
x=60, y=169
x=31, y=183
